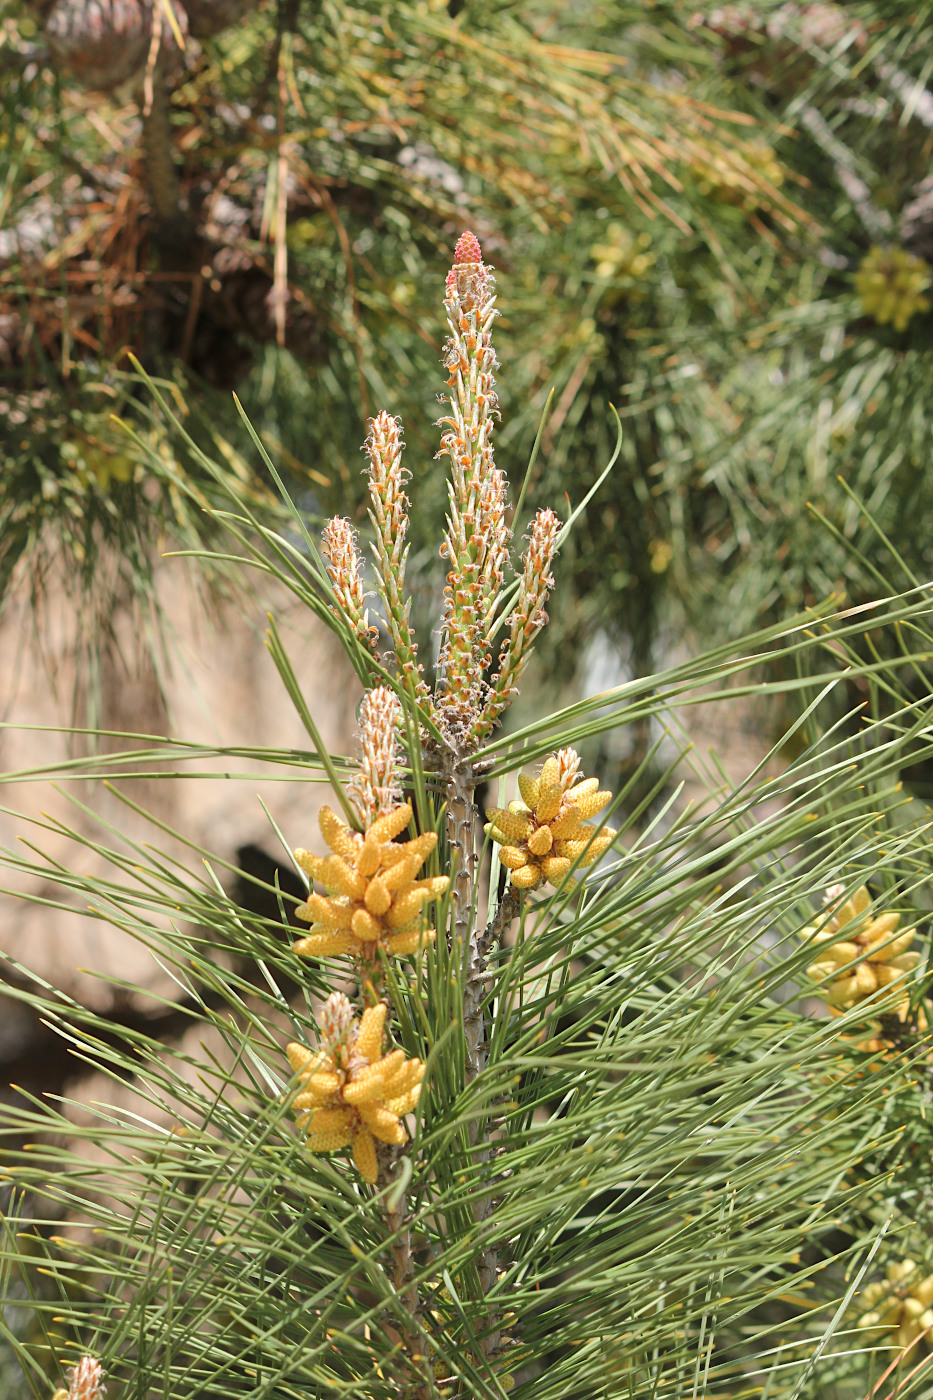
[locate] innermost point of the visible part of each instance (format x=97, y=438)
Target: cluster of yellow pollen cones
x=903, y=1305
x=373, y=900
x=861, y=954
x=543, y=835
x=350, y=1094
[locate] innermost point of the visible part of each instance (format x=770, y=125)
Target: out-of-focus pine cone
x=105, y=43
x=243, y=305
x=207, y=17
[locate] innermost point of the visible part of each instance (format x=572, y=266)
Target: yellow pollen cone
x=329, y=943
x=590, y=806
x=566, y=826
x=330, y=1129
x=548, y=806
x=842, y=992
x=549, y=779
x=419, y=847
x=383, y=1125
x=365, y=927
x=528, y=877
x=494, y=834
x=329, y=912
x=895, y=948
x=409, y=940
x=368, y=1041
x=387, y=827
x=369, y=858
x=377, y=898
x=300, y=1057
x=512, y=825
x=312, y=865
x=324, y=1083
x=402, y=873
x=865, y=979
x=339, y=878
x=512, y=858
x=540, y=841
x=367, y=1086
x=528, y=787
x=364, y=1156
x=406, y=908
x=337, y=834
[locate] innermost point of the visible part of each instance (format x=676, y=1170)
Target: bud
x=345, y=567
x=87, y=1381
x=386, y=484
x=389, y=515
x=528, y=618
x=477, y=537
x=376, y=790
x=336, y=1023
x=469, y=281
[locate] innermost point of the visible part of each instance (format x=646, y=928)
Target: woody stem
x=474, y=945
x=461, y=821
x=398, y=1226
x=475, y=1022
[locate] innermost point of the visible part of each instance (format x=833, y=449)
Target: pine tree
x=636, y=1110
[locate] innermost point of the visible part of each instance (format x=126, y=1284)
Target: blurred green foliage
x=390, y=129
